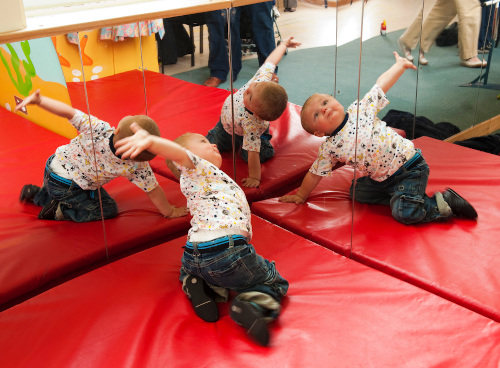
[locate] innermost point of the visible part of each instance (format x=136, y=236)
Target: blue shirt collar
x=339, y=128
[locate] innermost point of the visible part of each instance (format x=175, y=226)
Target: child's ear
x=319, y=134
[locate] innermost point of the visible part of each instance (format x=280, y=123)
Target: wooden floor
x=315, y=26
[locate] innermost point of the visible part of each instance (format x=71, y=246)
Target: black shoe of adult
x=48, y=211
x=28, y=193
x=250, y=316
x=459, y=206
x=200, y=295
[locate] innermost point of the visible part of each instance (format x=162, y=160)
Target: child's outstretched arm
x=275, y=56
x=55, y=107
x=308, y=184
x=389, y=77
x=130, y=147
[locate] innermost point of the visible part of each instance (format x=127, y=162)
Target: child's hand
x=404, y=62
x=178, y=212
x=293, y=198
x=290, y=43
x=130, y=147
x=33, y=99
x=250, y=182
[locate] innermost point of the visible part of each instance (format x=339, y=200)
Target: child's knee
x=408, y=209
x=266, y=153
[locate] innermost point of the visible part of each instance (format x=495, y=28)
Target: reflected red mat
x=458, y=259
x=179, y=107
x=36, y=252
x=338, y=313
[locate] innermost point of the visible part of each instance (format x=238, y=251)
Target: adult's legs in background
x=439, y=17
x=469, y=23
x=262, y=29
x=290, y=5
x=218, y=59
x=411, y=37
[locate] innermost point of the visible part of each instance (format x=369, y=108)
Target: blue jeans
x=76, y=204
x=238, y=268
x=263, y=35
x=404, y=192
x=224, y=142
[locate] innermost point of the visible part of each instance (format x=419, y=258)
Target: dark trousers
x=262, y=30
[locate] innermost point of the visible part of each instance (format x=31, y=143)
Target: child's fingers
x=286, y=199
x=21, y=104
x=178, y=212
x=135, y=127
x=291, y=199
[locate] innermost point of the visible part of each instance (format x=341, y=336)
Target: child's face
x=251, y=97
x=201, y=147
x=324, y=114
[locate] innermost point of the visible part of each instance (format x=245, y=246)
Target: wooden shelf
x=82, y=18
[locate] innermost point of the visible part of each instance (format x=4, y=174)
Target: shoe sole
x=204, y=306
x=247, y=316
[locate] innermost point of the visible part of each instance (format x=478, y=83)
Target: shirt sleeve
x=84, y=125
x=324, y=164
x=144, y=177
x=251, y=136
x=374, y=101
x=265, y=73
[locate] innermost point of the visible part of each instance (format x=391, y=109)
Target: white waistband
x=207, y=235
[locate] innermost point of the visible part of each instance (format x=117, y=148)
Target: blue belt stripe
x=57, y=177
x=408, y=163
x=216, y=242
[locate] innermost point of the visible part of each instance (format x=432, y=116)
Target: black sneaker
x=250, y=316
x=48, y=211
x=28, y=193
x=459, y=206
x=201, y=297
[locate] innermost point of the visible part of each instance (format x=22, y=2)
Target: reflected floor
x=314, y=26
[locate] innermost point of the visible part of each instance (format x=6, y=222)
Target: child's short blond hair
x=273, y=100
x=146, y=123
x=181, y=141
x=303, y=120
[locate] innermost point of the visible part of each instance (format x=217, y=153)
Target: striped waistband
x=215, y=245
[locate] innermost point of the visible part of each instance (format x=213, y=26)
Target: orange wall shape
x=102, y=58
x=35, y=114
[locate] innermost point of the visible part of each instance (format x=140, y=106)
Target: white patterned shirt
x=245, y=123
x=76, y=159
x=380, y=151
x=214, y=200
